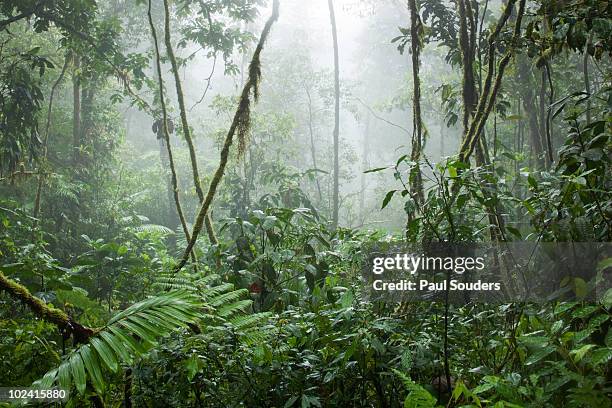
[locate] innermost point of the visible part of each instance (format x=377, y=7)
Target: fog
x=376, y=109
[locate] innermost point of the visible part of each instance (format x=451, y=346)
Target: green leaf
x=116, y=344
x=580, y=287
x=581, y=352
x=93, y=367
x=64, y=375
x=601, y=356
x=105, y=353
x=78, y=372
x=418, y=397
x=192, y=365
x=388, y=198
x=128, y=334
x=539, y=355
x=375, y=170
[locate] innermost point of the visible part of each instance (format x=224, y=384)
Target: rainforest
x=196, y=196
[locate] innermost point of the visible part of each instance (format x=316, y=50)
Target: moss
x=39, y=307
x=185, y=125
x=240, y=125
x=49, y=313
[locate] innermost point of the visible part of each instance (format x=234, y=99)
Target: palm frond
x=126, y=336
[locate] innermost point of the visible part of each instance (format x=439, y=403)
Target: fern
x=153, y=228
x=210, y=293
x=232, y=308
x=418, y=397
x=245, y=322
x=126, y=336
x=171, y=281
x=225, y=298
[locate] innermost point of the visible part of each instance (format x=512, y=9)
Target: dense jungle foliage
x=189, y=188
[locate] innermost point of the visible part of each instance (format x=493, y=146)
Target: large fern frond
x=126, y=336
x=153, y=228
x=172, y=281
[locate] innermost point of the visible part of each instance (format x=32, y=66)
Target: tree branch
x=240, y=124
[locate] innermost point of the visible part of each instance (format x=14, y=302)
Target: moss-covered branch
x=240, y=126
x=44, y=311
x=166, y=132
x=489, y=95
x=185, y=124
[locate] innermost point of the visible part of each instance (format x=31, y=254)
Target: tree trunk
x=166, y=133
x=41, y=176
x=489, y=91
x=186, y=131
x=240, y=125
x=587, y=82
x=313, y=151
x=529, y=103
x=364, y=167
x=163, y=157
x=335, y=197
x=416, y=182
x=76, y=111
x=467, y=44
x=48, y=313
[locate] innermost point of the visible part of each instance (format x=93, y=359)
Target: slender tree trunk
x=542, y=112
x=76, y=111
x=487, y=102
x=163, y=156
x=489, y=94
x=166, y=133
x=364, y=167
x=313, y=151
x=587, y=81
x=416, y=182
x=335, y=199
x=41, y=176
x=240, y=125
x=185, y=125
x=466, y=44
x=548, y=123
x=531, y=110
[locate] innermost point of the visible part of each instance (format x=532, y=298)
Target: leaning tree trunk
x=166, y=133
x=186, y=131
x=335, y=197
x=488, y=97
x=240, y=126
